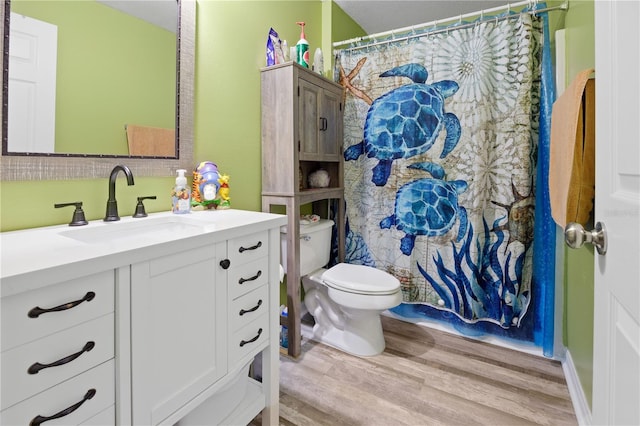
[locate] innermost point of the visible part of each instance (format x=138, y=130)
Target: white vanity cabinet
x=143, y=331
x=57, y=358
x=178, y=318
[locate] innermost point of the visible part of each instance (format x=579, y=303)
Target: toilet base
x=347, y=321
x=362, y=335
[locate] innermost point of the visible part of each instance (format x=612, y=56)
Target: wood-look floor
x=424, y=377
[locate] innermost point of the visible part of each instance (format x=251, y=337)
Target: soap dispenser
x=181, y=194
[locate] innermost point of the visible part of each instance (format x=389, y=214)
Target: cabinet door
x=309, y=109
x=330, y=136
x=320, y=123
x=178, y=326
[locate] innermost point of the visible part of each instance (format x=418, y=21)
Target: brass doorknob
x=575, y=236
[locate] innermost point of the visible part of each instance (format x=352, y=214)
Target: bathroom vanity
x=142, y=321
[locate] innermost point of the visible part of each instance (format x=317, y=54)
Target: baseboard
x=578, y=398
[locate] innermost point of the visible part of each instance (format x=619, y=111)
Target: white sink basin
x=156, y=229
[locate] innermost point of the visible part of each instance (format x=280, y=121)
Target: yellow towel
x=572, y=152
x=151, y=141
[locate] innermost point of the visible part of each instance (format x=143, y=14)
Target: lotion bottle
x=318, y=62
x=181, y=195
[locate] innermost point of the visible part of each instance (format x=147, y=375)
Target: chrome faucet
x=112, y=204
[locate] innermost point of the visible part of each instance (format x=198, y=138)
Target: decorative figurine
x=223, y=192
x=205, y=186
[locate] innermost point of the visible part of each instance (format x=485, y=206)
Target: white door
x=32, y=85
x=616, y=355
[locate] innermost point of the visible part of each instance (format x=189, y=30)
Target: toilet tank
x=315, y=246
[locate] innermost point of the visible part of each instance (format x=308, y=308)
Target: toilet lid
x=360, y=279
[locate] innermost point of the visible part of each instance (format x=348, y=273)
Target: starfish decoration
x=345, y=81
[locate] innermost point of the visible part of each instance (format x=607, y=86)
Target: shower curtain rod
x=564, y=6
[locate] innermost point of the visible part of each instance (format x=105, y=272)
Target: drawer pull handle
x=255, y=277
x=244, y=342
x=37, y=311
x=35, y=368
x=257, y=246
x=246, y=311
x=225, y=263
x=38, y=420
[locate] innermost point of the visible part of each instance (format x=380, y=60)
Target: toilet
x=345, y=300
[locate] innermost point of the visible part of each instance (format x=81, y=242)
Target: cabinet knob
x=225, y=263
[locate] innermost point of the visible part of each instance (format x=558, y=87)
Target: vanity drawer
x=249, y=339
x=98, y=380
x=81, y=348
x=248, y=307
x=244, y=278
x=84, y=299
x=248, y=248
x=106, y=417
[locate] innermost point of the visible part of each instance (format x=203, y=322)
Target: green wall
x=231, y=41
x=96, y=44
x=579, y=264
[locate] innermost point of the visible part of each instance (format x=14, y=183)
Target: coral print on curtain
x=440, y=151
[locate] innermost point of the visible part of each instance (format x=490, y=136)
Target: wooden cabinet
x=302, y=125
x=301, y=130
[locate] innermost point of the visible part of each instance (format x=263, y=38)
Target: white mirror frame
x=36, y=167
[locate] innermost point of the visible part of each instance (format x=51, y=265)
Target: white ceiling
x=163, y=13
x=384, y=15
x=374, y=16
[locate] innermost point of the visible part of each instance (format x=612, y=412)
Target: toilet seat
x=360, y=279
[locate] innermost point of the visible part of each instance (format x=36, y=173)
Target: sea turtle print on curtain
x=440, y=145
x=406, y=121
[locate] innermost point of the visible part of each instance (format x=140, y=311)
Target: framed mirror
x=95, y=161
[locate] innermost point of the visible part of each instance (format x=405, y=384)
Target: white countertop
x=54, y=253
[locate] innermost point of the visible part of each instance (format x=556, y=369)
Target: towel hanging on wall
x=572, y=152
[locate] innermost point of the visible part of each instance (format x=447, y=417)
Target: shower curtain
x=441, y=148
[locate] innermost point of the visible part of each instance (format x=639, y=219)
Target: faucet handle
x=78, y=214
x=140, y=212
